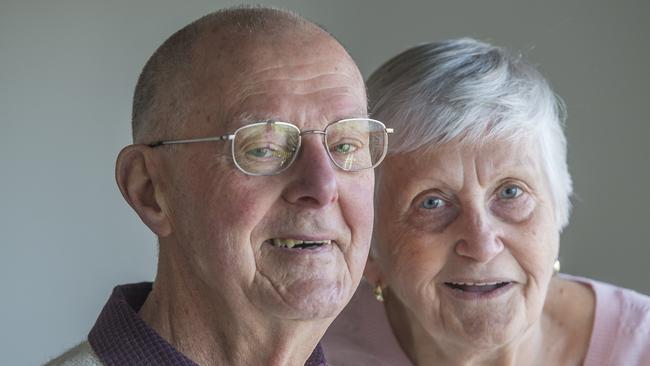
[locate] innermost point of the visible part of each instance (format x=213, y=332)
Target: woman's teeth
x=301, y=244
x=476, y=286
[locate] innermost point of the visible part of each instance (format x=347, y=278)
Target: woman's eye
x=432, y=202
x=510, y=191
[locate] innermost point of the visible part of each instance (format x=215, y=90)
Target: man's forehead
x=260, y=66
x=241, y=47
x=262, y=79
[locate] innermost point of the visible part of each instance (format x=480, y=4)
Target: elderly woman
x=470, y=203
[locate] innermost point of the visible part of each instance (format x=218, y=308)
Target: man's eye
x=510, y=191
x=268, y=153
x=432, y=202
x=344, y=148
x=260, y=152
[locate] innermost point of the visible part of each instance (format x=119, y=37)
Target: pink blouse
x=361, y=335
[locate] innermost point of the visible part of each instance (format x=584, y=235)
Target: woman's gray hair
x=470, y=91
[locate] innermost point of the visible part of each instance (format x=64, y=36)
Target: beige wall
x=68, y=67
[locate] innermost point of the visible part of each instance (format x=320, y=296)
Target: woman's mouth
x=478, y=290
x=476, y=287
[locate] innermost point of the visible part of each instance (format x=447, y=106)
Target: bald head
x=219, y=45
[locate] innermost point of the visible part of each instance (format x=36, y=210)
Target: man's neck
x=212, y=331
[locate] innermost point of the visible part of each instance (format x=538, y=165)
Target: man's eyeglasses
x=268, y=148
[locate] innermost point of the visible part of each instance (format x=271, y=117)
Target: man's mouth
x=477, y=287
x=299, y=244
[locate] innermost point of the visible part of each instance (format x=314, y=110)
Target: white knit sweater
x=80, y=355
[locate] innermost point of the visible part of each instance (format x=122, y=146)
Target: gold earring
x=556, y=266
x=379, y=293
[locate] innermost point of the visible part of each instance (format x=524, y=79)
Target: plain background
x=67, y=73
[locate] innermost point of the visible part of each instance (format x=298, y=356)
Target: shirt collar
x=121, y=337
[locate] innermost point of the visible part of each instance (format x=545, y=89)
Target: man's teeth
x=290, y=243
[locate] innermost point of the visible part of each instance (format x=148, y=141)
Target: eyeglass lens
x=269, y=148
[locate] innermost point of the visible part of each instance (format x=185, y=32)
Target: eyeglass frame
x=323, y=133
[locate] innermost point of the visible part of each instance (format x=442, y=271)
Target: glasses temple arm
x=188, y=141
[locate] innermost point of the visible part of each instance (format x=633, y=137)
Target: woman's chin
x=484, y=323
x=488, y=333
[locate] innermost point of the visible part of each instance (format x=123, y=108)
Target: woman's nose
x=478, y=239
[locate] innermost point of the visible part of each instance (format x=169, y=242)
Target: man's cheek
x=242, y=203
x=363, y=204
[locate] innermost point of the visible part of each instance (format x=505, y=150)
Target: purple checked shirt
x=121, y=337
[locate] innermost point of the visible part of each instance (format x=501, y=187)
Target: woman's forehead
x=452, y=163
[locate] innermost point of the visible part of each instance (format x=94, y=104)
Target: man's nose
x=477, y=239
x=313, y=175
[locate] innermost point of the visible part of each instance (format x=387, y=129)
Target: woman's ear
x=372, y=272
x=135, y=175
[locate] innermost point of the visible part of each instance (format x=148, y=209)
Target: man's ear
x=372, y=272
x=134, y=173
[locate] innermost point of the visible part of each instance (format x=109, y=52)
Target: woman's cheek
x=515, y=210
x=432, y=221
x=417, y=261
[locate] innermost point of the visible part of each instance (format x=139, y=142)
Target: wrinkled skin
x=465, y=213
x=223, y=294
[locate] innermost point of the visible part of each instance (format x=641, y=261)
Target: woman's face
x=466, y=239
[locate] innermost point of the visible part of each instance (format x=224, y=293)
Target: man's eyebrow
x=355, y=115
x=245, y=118
x=363, y=113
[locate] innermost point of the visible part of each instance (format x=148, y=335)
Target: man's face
x=224, y=222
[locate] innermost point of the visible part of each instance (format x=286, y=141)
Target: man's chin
x=310, y=300
x=305, y=286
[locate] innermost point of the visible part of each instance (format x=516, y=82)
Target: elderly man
x=252, y=163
